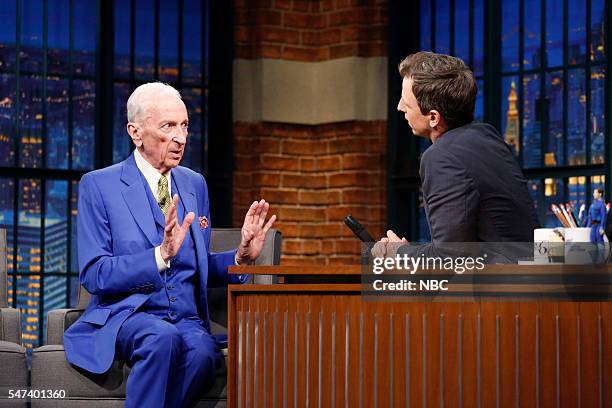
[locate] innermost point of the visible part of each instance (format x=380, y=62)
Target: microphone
x=359, y=231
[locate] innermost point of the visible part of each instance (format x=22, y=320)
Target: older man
x=146, y=262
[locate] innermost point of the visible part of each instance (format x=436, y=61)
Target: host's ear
x=135, y=133
x=434, y=118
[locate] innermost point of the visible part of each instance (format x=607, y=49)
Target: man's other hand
x=253, y=232
x=387, y=246
x=174, y=234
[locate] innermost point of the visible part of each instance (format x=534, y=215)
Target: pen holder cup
x=567, y=245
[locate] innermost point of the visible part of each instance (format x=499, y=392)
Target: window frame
x=214, y=153
x=403, y=180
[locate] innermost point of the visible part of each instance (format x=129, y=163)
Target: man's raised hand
x=253, y=233
x=174, y=234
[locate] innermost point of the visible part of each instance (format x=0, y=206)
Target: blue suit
x=132, y=308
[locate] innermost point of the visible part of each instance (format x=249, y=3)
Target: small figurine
x=596, y=217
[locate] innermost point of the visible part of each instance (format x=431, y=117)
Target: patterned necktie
x=163, y=196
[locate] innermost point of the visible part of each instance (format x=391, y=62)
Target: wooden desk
x=321, y=344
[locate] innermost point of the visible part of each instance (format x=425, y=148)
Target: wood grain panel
x=528, y=348
x=589, y=314
x=548, y=355
x=488, y=339
x=433, y=340
x=506, y=371
x=605, y=349
x=470, y=356
x=385, y=361
x=312, y=345
x=418, y=383
x=569, y=369
x=450, y=352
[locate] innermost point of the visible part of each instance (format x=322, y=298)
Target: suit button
x=173, y=299
x=172, y=314
x=131, y=309
x=170, y=286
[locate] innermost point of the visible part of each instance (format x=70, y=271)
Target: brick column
x=314, y=164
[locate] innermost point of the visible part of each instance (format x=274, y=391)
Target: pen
x=559, y=215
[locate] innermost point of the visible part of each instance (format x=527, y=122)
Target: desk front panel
x=323, y=345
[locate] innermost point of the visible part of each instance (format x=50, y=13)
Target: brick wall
x=302, y=30
x=313, y=176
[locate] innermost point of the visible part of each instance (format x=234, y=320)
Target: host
x=473, y=188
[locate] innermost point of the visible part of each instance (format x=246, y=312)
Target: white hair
x=144, y=95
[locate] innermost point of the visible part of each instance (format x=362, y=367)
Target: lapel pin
x=203, y=222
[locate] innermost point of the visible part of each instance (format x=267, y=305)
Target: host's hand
x=382, y=249
x=253, y=232
x=173, y=233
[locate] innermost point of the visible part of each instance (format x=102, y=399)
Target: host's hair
x=443, y=83
x=144, y=95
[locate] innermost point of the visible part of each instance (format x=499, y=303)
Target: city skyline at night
x=48, y=112
x=559, y=113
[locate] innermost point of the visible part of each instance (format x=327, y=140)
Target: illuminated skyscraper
x=7, y=151
x=577, y=191
x=597, y=138
x=532, y=137
x=511, y=134
x=29, y=267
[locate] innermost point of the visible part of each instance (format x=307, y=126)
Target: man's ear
x=435, y=118
x=134, y=131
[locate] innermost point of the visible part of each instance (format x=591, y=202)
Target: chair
x=14, y=372
x=50, y=370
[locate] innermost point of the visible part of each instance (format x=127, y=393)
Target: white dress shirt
x=152, y=175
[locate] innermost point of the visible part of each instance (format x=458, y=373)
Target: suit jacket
x=474, y=190
x=117, y=237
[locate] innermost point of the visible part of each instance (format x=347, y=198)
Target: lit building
x=29, y=267
x=511, y=134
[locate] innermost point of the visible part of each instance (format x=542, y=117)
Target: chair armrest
x=10, y=325
x=58, y=321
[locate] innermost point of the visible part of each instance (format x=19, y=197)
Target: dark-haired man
x=473, y=188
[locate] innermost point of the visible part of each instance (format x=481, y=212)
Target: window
x=553, y=87
x=549, y=61
x=456, y=28
x=51, y=110
x=165, y=43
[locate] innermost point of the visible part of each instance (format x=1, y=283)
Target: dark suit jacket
x=474, y=190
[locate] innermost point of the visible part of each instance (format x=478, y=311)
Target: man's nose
x=399, y=106
x=180, y=137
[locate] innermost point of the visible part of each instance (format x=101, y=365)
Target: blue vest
x=176, y=299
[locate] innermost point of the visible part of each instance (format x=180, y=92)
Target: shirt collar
x=151, y=174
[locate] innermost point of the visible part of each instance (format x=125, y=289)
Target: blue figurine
x=596, y=217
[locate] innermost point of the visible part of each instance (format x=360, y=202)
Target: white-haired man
x=146, y=263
